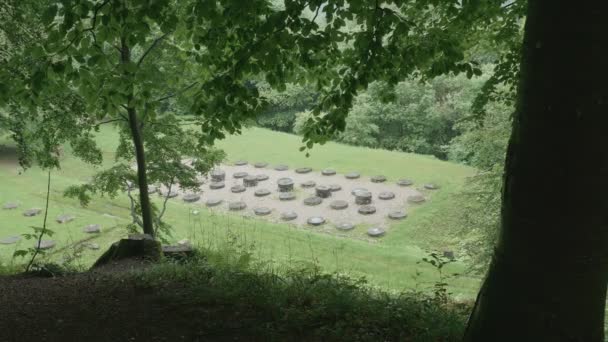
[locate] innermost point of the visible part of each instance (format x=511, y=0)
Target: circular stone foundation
x=378, y=179
x=32, y=212
x=64, y=218
x=416, y=199
x=431, y=186
x=352, y=175
x=397, y=215
x=315, y=221
x=328, y=172
x=10, y=205
x=217, y=185
x=9, y=240
x=152, y=189
x=240, y=162
x=375, y=232
x=363, y=197
x=314, y=200
x=303, y=170
x=285, y=184
x=92, y=229
x=236, y=206
x=281, y=167
x=261, y=192
x=261, y=177
x=345, y=227
x=308, y=184
x=238, y=175
x=212, y=202
x=260, y=165
x=218, y=175
x=261, y=211
x=323, y=191
x=289, y=216
x=335, y=187
x=189, y=198
x=250, y=181
x=404, y=182
x=357, y=190
x=367, y=210
x=338, y=205
x=386, y=195
x=287, y=196
x=238, y=189
x=44, y=244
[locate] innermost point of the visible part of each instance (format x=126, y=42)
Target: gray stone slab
x=262, y=192
x=303, y=170
x=281, y=167
x=416, y=199
x=240, y=162
x=250, y=181
x=308, y=184
x=189, y=198
x=335, y=187
x=171, y=194
x=345, y=227
x=386, y=195
x=44, y=244
x=323, y=191
x=405, y=182
x=9, y=240
x=352, y=175
x=10, y=205
x=338, y=205
x=314, y=200
x=92, y=228
x=376, y=232
x=262, y=211
x=285, y=184
x=238, y=175
x=217, y=185
x=356, y=190
x=363, y=197
x=315, y=221
x=367, y=210
x=260, y=165
x=289, y=216
x=378, y=179
x=287, y=196
x=236, y=206
x=152, y=189
x=32, y=212
x=262, y=177
x=65, y=218
x=238, y=189
x=218, y=175
x=431, y=186
x=213, y=202
x=397, y=215
x=328, y=172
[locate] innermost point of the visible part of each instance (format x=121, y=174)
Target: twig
x=162, y=212
x=156, y=41
x=176, y=93
x=43, y=231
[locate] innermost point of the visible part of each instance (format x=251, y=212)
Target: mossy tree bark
x=547, y=281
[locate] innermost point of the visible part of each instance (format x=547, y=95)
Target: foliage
x=282, y=106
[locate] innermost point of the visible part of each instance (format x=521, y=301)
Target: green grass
x=391, y=262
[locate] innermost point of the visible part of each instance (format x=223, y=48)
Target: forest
x=313, y=170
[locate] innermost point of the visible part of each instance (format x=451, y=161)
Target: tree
x=547, y=280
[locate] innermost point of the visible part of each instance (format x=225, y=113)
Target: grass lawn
x=391, y=262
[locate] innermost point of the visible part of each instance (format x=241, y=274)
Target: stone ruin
x=250, y=181
x=92, y=229
x=323, y=191
x=285, y=184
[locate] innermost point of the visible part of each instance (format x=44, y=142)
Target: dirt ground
x=333, y=217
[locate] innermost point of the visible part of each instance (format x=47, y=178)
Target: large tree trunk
x=547, y=281
x=140, y=156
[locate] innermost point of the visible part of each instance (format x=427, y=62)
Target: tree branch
x=156, y=41
x=176, y=93
x=166, y=199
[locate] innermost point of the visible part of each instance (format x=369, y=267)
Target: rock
x=375, y=232
x=10, y=205
x=356, y=190
x=238, y=189
x=238, y=175
x=32, y=212
x=345, y=226
x=217, y=185
x=367, y=210
x=260, y=165
x=363, y=197
x=261, y=211
x=335, y=187
x=316, y=221
x=91, y=245
x=386, y=195
x=9, y=240
x=184, y=242
x=289, y=216
x=236, y=206
x=328, y=172
x=212, y=202
x=65, y=218
x=352, y=175
x=92, y=228
x=339, y=205
x=285, y=184
x=287, y=196
x=308, y=184
x=171, y=194
x=152, y=189
x=261, y=192
x=313, y=200
x=404, y=182
x=303, y=170
x=378, y=179
x=218, y=175
x=44, y=244
x=416, y=199
x=250, y=181
x=189, y=198
x=449, y=254
x=323, y=191
x=141, y=246
x=281, y=167
x=262, y=178
x=431, y=186
x=240, y=162
x=397, y=215
x=177, y=252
